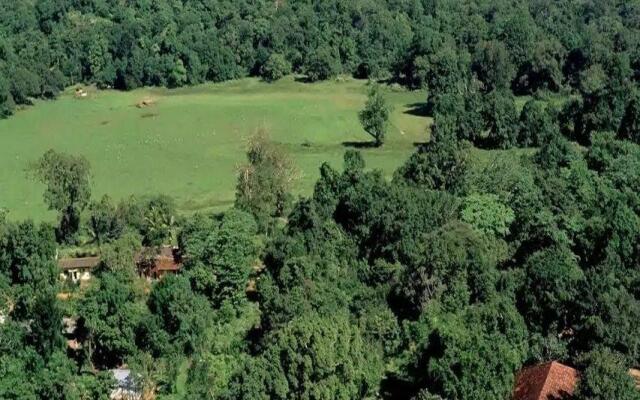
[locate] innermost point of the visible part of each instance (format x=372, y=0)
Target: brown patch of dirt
x=146, y=102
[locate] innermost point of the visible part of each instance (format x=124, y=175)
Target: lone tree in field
x=375, y=115
x=265, y=181
x=68, y=190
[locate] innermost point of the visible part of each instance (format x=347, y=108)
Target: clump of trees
x=440, y=283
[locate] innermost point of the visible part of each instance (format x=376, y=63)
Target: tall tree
x=375, y=115
x=536, y=124
x=265, y=181
x=501, y=119
x=105, y=222
x=67, y=189
x=630, y=125
x=492, y=65
x=313, y=358
x=220, y=252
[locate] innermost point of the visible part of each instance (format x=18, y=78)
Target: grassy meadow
x=189, y=142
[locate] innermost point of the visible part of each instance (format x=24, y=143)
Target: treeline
x=524, y=46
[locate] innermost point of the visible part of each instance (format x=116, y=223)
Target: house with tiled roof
x=152, y=262
x=156, y=262
x=548, y=381
x=78, y=269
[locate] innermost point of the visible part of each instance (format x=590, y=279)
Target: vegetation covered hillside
x=509, y=239
x=47, y=45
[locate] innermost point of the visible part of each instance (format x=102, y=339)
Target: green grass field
x=190, y=142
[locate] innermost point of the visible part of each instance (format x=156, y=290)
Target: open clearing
x=188, y=142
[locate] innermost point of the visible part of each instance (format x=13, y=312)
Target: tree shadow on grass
x=360, y=145
x=419, y=109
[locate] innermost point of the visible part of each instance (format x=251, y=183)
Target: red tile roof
x=166, y=264
x=159, y=260
x=549, y=381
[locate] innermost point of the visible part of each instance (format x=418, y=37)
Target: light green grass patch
x=191, y=141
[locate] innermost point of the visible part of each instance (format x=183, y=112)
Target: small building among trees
x=151, y=262
x=78, y=269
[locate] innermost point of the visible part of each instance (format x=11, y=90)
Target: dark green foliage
x=473, y=352
x=105, y=222
x=537, y=124
x=543, y=69
x=551, y=288
x=275, y=68
x=501, y=119
x=609, y=316
x=220, y=252
x=518, y=32
x=67, y=180
x=449, y=69
x=322, y=64
x=300, y=286
x=183, y=314
x=438, y=284
x=460, y=114
x=440, y=164
x=452, y=262
x=606, y=377
x=313, y=358
x=153, y=217
x=33, y=364
x=630, y=125
x=492, y=65
x=108, y=315
x=557, y=152
x=604, y=89
x=6, y=100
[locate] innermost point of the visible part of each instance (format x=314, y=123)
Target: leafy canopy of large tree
x=68, y=188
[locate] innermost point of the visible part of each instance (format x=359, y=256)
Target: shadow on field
x=302, y=79
x=419, y=109
x=359, y=145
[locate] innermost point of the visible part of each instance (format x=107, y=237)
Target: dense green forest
x=440, y=283
x=46, y=45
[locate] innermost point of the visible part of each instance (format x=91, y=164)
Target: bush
x=275, y=68
x=322, y=65
x=6, y=100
